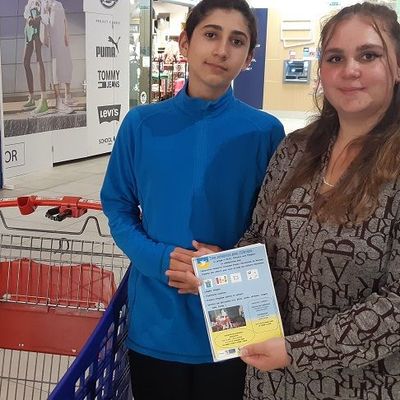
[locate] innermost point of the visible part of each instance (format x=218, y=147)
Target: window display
x=168, y=68
x=168, y=76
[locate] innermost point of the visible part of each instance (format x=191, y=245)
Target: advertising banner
x=65, y=79
x=44, y=78
x=43, y=47
x=107, y=46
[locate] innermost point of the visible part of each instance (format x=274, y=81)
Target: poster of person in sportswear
x=44, y=68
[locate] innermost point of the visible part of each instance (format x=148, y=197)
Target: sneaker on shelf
x=63, y=108
x=69, y=101
x=42, y=107
x=29, y=104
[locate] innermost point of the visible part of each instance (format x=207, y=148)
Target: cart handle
x=63, y=207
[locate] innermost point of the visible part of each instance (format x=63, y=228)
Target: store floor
x=81, y=178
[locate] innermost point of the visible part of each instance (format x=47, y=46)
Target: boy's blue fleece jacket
x=194, y=168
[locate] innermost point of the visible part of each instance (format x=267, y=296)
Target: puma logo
x=115, y=43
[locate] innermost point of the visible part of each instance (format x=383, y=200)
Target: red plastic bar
x=28, y=204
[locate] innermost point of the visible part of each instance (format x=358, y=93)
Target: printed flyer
x=238, y=299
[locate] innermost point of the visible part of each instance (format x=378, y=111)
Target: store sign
x=108, y=78
x=108, y=3
x=14, y=155
x=109, y=113
x=107, y=140
x=108, y=51
x=107, y=70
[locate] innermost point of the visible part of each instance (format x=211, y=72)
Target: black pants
x=166, y=380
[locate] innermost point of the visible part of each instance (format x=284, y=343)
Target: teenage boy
x=183, y=169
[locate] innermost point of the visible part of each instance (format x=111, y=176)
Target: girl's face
x=217, y=52
x=357, y=75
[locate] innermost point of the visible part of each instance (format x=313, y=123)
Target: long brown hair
x=355, y=197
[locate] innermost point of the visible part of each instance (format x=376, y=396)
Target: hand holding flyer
x=238, y=299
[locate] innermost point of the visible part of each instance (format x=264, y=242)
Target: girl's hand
x=266, y=356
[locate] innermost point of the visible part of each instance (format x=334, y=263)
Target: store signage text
x=14, y=155
x=109, y=113
x=107, y=140
x=108, y=51
x=107, y=21
x=108, y=78
x=108, y=3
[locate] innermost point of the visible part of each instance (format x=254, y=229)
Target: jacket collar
x=197, y=107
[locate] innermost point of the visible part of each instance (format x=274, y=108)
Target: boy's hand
x=180, y=272
x=205, y=248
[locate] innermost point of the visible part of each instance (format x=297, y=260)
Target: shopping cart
x=63, y=305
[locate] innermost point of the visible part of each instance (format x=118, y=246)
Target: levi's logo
x=109, y=113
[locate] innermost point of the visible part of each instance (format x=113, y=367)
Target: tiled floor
x=82, y=178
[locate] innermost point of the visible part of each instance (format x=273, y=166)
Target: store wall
x=279, y=95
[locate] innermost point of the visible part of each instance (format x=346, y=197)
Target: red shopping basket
x=44, y=301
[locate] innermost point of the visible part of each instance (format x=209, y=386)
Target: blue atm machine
x=249, y=85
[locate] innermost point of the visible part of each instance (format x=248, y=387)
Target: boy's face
x=216, y=53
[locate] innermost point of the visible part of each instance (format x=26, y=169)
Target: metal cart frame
x=72, y=286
